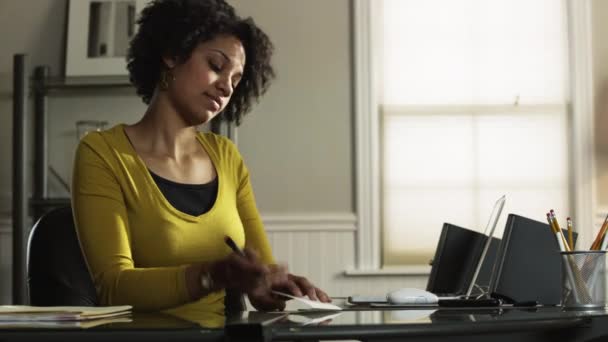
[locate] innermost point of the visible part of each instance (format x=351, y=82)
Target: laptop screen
x=489, y=233
x=456, y=256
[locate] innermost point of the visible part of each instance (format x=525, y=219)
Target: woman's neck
x=163, y=132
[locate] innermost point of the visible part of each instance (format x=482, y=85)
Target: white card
x=310, y=304
x=306, y=318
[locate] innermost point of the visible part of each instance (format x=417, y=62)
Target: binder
x=528, y=265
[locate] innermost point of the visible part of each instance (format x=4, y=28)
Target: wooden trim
x=582, y=154
x=366, y=137
x=391, y=271
x=313, y=222
x=473, y=109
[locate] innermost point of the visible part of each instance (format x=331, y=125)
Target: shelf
x=79, y=82
x=49, y=202
x=24, y=208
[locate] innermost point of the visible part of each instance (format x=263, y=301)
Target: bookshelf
x=37, y=88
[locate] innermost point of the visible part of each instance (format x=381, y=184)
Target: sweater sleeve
x=102, y=225
x=255, y=235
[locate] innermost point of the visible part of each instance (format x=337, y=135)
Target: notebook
x=528, y=264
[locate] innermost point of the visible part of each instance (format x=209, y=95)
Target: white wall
x=297, y=142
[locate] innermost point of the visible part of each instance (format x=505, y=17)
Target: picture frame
x=98, y=34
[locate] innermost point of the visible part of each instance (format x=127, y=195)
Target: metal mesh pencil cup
x=584, y=279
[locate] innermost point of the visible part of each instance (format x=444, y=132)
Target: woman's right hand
x=243, y=273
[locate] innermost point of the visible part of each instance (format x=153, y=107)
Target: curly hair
x=175, y=27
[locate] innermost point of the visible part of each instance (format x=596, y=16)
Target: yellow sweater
x=136, y=244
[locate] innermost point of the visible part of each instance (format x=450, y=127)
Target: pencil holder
x=583, y=279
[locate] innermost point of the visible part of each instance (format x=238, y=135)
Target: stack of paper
x=22, y=316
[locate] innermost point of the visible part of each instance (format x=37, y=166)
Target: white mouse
x=411, y=296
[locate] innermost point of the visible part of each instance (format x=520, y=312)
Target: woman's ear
x=170, y=62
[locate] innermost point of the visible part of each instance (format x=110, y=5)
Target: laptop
x=489, y=233
x=481, y=297
x=485, y=247
x=456, y=257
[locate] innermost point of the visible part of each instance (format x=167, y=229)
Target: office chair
x=57, y=274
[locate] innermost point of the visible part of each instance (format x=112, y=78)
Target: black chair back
x=57, y=274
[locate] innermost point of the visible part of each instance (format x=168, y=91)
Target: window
x=470, y=100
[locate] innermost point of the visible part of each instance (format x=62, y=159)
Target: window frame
x=367, y=115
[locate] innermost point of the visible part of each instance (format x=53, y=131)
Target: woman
x=154, y=201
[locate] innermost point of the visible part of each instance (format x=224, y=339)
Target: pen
x=233, y=246
x=240, y=252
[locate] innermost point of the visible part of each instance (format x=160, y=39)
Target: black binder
x=528, y=266
x=456, y=257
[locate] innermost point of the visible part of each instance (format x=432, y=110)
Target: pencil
x=570, y=233
x=575, y=277
x=560, y=242
x=558, y=231
x=550, y=222
x=604, y=243
x=600, y=235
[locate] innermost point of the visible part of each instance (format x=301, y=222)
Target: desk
x=144, y=327
x=543, y=324
x=546, y=324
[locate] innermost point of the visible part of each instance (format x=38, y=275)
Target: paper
x=310, y=304
x=312, y=318
x=60, y=313
x=258, y=317
x=403, y=305
x=63, y=324
x=407, y=316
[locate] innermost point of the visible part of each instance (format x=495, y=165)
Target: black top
x=192, y=199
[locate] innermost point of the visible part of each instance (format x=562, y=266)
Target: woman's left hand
x=300, y=286
x=279, y=279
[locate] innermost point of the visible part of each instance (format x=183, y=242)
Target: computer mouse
x=411, y=296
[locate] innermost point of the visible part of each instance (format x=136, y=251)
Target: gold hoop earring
x=165, y=77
